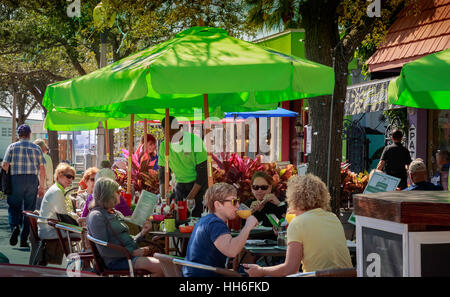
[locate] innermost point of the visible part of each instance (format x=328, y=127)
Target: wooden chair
x=100, y=265
x=218, y=270
x=169, y=268
x=337, y=272
x=37, y=244
x=86, y=257
x=69, y=229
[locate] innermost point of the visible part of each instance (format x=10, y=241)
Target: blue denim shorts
x=121, y=264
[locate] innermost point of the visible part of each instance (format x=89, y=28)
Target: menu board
x=381, y=182
x=144, y=208
x=378, y=182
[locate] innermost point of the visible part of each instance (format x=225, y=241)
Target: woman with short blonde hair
x=307, y=192
x=55, y=202
x=219, y=192
x=63, y=169
x=315, y=237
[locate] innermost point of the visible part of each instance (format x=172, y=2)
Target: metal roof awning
x=368, y=97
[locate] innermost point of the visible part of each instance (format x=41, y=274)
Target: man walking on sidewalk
x=395, y=159
x=25, y=161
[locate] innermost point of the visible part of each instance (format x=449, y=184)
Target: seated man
x=418, y=175
x=211, y=242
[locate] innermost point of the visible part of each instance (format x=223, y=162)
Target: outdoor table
x=271, y=249
x=178, y=239
x=403, y=233
x=257, y=231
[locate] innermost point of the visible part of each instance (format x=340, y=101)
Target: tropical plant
x=142, y=176
x=236, y=170
x=351, y=182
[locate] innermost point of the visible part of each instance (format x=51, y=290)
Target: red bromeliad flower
x=143, y=176
x=236, y=170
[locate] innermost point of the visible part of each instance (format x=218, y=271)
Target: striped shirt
x=24, y=157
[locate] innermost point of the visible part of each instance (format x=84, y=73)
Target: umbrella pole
x=130, y=153
x=145, y=135
x=107, y=140
x=166, y=152
x=208, y=140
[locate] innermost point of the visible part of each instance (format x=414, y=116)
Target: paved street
x=15, y=254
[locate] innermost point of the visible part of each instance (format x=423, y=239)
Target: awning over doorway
x=368, y=97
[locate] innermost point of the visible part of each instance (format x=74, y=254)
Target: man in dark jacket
x=395, y=159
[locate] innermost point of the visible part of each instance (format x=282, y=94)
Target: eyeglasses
x=234, y=201
x=69, y=176
x=92, y=179
x=262, y=187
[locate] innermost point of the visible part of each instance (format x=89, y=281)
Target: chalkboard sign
x=435, y=259
x=382, y=253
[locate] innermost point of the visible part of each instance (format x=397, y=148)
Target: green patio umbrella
x=423, y=83
x=201, y=67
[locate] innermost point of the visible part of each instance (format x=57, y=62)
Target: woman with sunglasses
x=315, y=237
x=86, y=187
x=54, y=201
x=211, y=241
x=265, y=201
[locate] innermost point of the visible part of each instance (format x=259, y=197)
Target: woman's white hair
x=104, y=190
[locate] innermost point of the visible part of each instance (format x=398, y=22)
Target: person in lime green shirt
x=187, y=161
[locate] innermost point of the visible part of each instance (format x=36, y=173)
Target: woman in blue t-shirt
x=211, y=242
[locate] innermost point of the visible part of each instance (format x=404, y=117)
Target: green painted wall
x=288, y=43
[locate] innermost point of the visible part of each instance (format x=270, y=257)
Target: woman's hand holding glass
x=251, y=222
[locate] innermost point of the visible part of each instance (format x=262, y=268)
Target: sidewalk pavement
x=15, y=254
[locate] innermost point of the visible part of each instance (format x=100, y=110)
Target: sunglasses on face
x=69, y=176
x=92, y=179
x=234, y=201
x=263, y=187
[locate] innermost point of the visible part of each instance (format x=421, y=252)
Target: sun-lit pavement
x=15, y=254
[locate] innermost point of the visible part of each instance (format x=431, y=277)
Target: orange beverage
x=244, y=213
x=290, y=217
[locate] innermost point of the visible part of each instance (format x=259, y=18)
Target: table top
x=177, y=233
x=407, y=207
x=256, y=231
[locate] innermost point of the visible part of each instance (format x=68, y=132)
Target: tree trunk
x=320, y=39
x=53, y=147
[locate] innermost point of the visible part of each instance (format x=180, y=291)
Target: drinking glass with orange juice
x=243, y=211
x=290, y=217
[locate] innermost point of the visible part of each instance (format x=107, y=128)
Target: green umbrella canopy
x=69, y=121
x=197, y=61
x=423, y=83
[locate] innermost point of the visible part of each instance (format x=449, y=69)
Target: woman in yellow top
x=315, y=237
